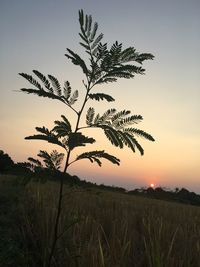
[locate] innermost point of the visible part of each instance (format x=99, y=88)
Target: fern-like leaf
x=78, y=139
x=85, y=46
x=41, y=93
x=108, y=115
x=138, y=132
x=106, y=80
x=74, y=98
x=77, y=60
x=97, y=119
x=119, y=115
x=135, y=142
x=94, y=156
x=134, y=119
x=50, y=139
x=97, y=40
x=93, y=33
x=36, y=162
x=90, y=116
x=128, y=54
x=62, y=128
x=44, y=80
x=43, y=130
x=45, y=135
x=144, y=56
x=67, y=90
x=113, y=136
x=52, y=160
x=56, y=85
x=127, y=140
x=101, y=96
x=88, y=33
x=31, y=80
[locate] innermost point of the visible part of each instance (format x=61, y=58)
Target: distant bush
x=5, y=162
x=182, y=195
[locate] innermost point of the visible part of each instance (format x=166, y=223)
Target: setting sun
x=152, y=185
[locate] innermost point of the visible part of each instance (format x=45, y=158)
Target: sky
x=35, y=35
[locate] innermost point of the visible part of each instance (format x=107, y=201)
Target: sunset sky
x=35, y=35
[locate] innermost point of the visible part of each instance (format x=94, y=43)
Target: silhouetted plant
x=5, y=161
x=105, y=66
x=51, y=161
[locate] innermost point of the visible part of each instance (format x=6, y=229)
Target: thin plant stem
x=60, y=196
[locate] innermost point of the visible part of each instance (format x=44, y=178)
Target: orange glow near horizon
x=152, y=185
x=167, y=96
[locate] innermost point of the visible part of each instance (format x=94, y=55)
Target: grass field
x=99, y=228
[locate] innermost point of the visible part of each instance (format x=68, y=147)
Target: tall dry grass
x=106, y=229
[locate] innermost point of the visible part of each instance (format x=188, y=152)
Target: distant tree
x=150, y=191
x=5, y=161
x=176, y=190
x=184, y=195
x=159, y=192
x=105, y=66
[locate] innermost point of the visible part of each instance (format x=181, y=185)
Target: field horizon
x=98, y=227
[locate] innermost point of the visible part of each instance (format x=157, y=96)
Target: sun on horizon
x=152, y=185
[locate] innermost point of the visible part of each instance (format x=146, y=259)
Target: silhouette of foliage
x=106, y=65
x=183, y=195
x=94, y=156
x=5, y=161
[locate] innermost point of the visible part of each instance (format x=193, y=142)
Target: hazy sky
x=35, y=34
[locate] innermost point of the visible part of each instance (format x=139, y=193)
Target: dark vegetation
x=101, y=66
x=42, y=174
x=100, y=227
x=50, y=218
